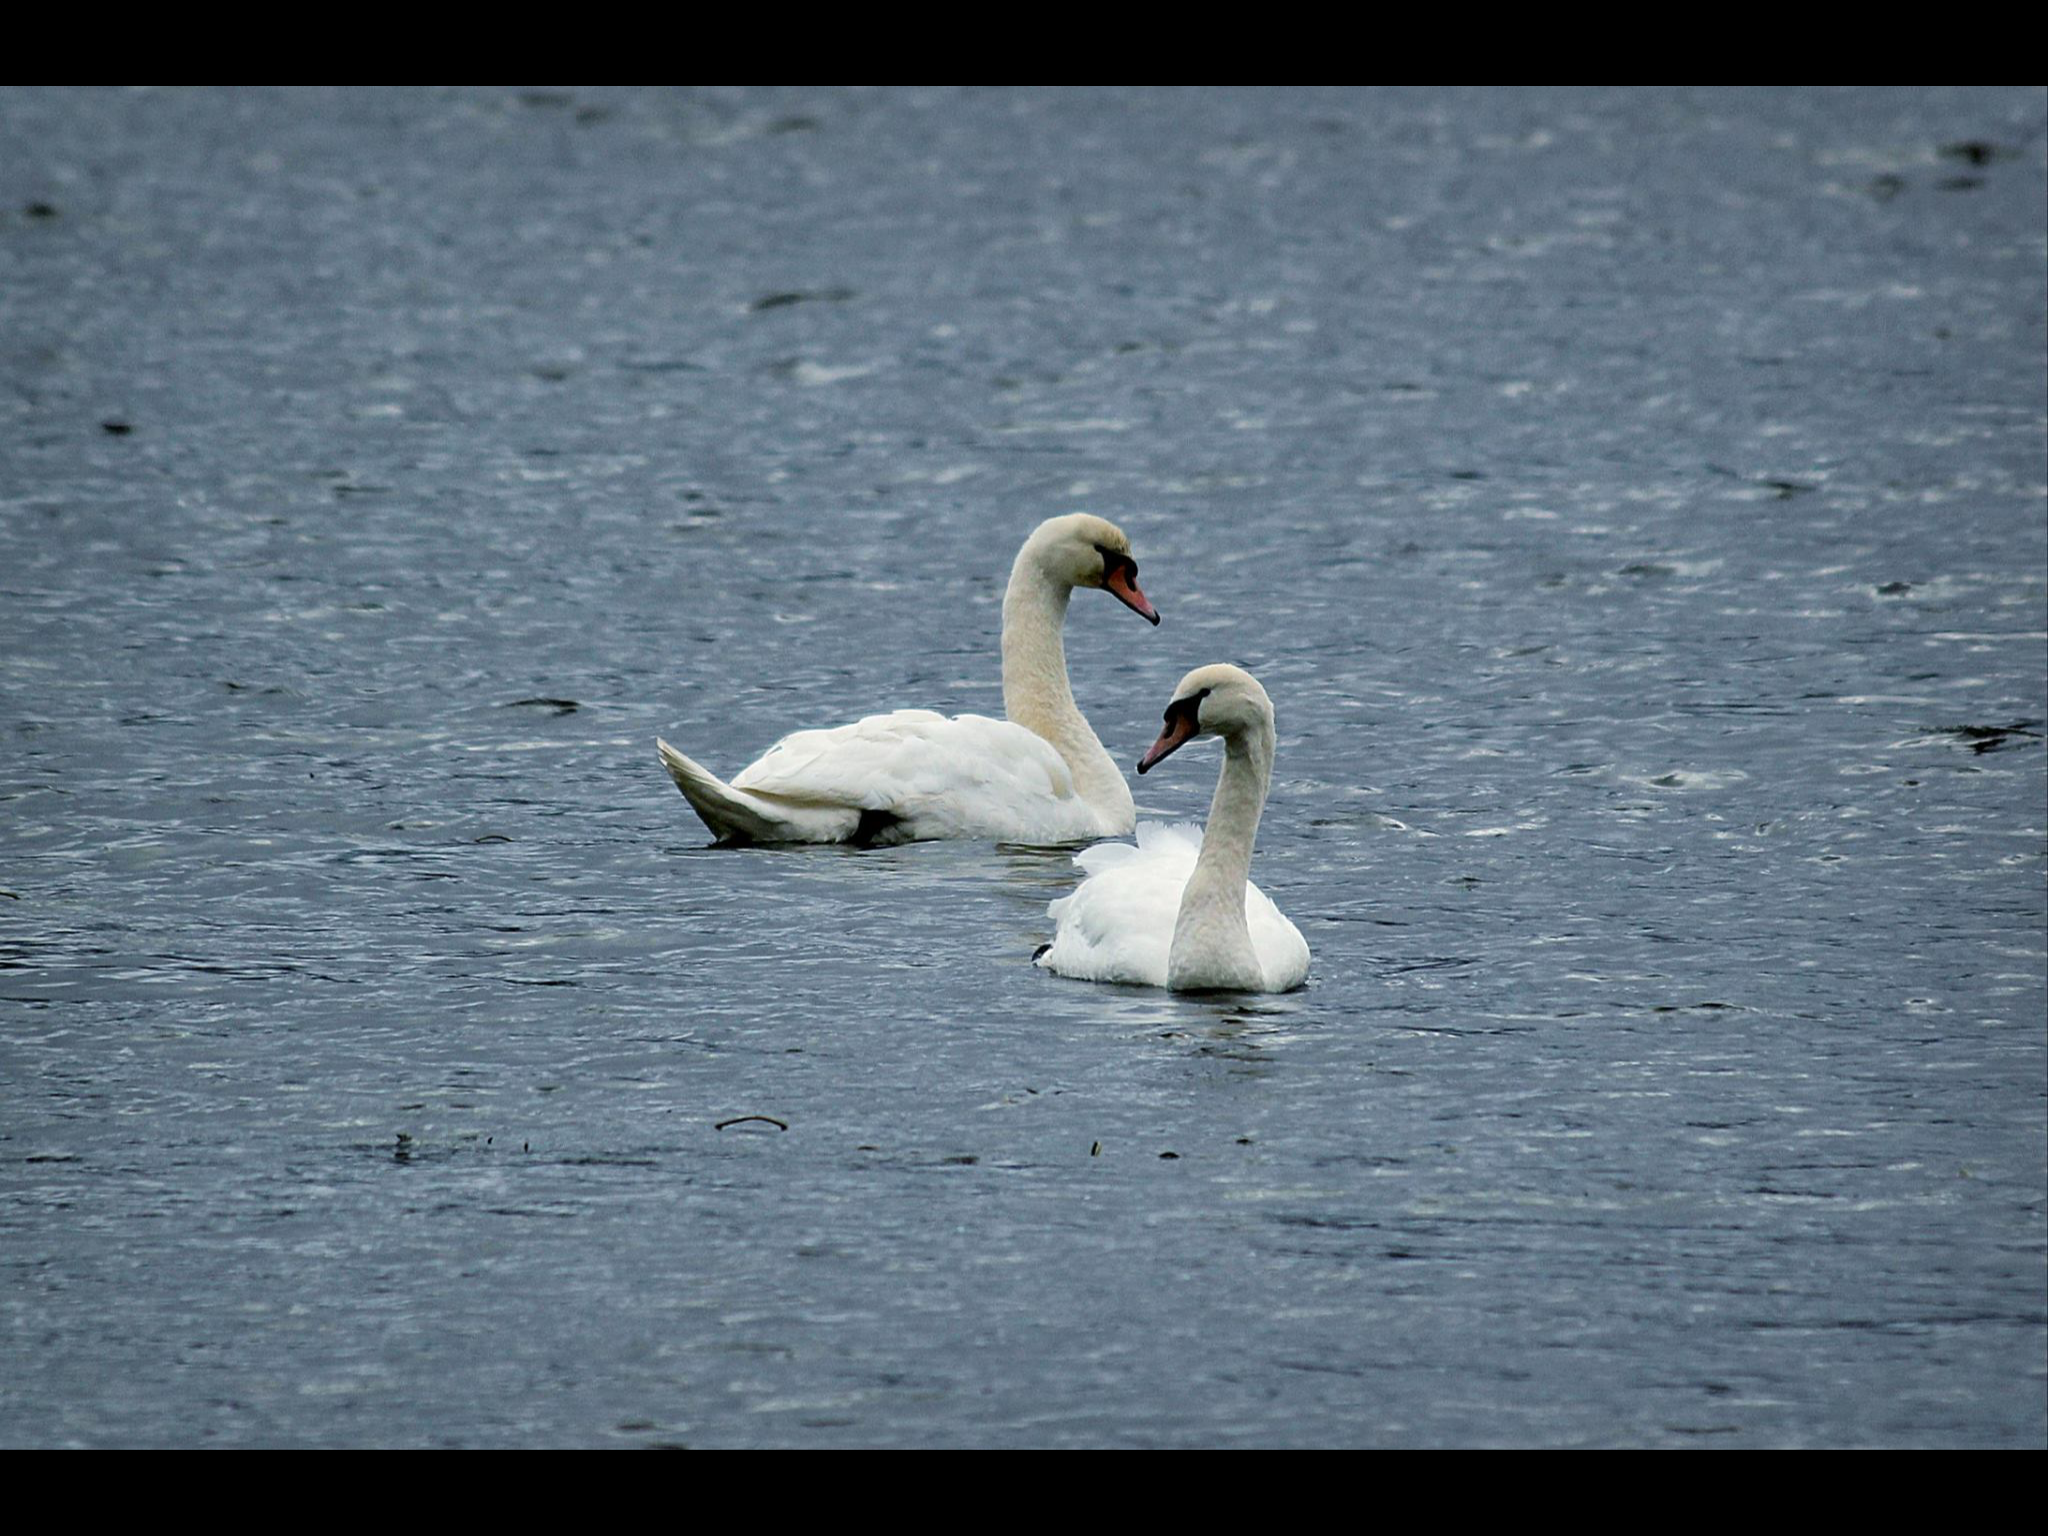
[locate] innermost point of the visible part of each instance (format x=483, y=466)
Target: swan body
x=1178, y=909
x=1039, y=776
x=902, y=777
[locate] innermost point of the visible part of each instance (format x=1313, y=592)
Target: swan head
x=1211, y=701
x=1081, y=550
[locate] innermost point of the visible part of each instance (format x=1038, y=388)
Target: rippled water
x=1634, y=504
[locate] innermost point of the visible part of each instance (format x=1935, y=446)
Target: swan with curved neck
x=1178, y=909
x=1039, y=776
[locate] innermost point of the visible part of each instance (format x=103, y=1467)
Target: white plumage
x=1178, y=908
x=924, y=774
x=1118, y=925
x=1040, y=776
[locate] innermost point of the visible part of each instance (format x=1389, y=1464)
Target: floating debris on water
x=780, y=1125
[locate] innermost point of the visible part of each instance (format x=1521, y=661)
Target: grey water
x=1632, y=500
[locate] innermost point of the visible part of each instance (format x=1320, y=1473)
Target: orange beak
x=1180, y=730
x=1123, y=583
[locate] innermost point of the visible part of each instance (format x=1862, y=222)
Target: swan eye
x=1112, y=562
x=1189, y=708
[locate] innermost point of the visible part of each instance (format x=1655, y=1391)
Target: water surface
x=1633, y=503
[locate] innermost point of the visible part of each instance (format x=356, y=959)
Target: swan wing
x=929, y=775
x=1282, y=951
x=1117, y=925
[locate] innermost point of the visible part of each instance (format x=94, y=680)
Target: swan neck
x=1034, y=652
x=1037, y=695
x=1212, y=940
x=1225, y=863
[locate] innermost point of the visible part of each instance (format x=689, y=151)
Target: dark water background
x=1634, y=503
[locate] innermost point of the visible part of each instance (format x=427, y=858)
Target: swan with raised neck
x=1041, y=775
x=1179, y=909
x=1036, y=693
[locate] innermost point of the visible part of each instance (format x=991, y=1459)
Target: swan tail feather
x=737, y=815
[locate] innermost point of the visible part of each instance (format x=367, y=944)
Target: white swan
x=1040, y=776
x=1179, y=909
